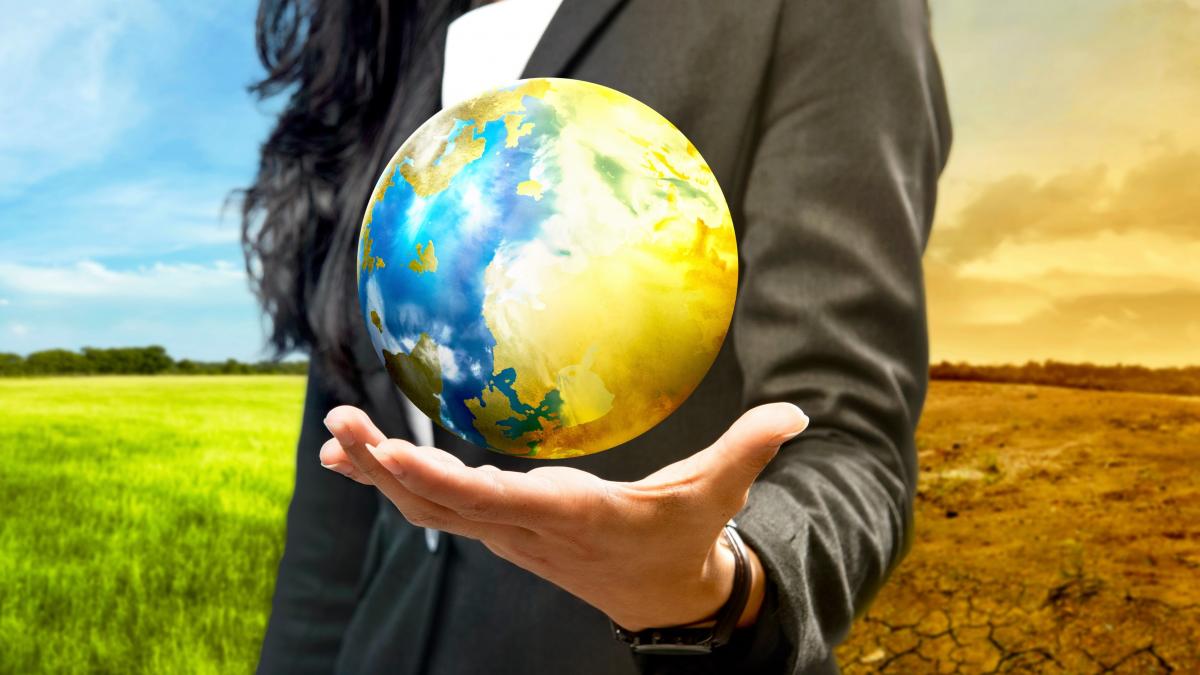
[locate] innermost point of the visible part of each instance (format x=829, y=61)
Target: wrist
x=741, y=601
x=722, y=564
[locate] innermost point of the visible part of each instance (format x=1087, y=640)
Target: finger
x=746, y=448
x=335, y=459
x=730, y=465
x=351, y=429
x=359, y=422
x=484, y=494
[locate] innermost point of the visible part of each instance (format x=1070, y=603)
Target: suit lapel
x=569, y=32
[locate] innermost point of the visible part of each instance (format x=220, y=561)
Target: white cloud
x=136, y=218
x=415, y=215
x=480, y=211
x=1111, y=259
x=67, y=93
x=1124, y=74
x=448, y=364
x=119, y=143
x=166, y=214
x=89, y=279
x=447, y=359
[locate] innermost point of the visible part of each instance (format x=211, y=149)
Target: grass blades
x=141, y=520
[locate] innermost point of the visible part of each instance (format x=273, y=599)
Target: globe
x=547, y=269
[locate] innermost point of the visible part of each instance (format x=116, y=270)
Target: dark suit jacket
x=826, y=125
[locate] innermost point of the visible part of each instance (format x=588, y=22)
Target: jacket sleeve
x=328, y=527
x=831, y=311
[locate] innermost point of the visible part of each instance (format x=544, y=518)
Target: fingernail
x=340, y=432
x=396, y=471
x=802, y=425
x=336, y=468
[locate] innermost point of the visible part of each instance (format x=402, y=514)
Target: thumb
x=745, y=449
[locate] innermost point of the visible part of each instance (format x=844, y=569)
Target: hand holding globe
x=549, y=270
x=648, y=553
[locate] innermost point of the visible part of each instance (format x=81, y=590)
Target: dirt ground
x=1057, y=530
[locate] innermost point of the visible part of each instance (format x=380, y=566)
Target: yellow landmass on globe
x=443, y=152
x=425, y=261
x=585, y=398
x=369, y=262
x=642, y=226
x=491, y=407
x=682, y=300
x=387, y=180
x=433, y=179
x=487, y=109
x=419, y=373
x=376, y=321
x=515, y=130
x=530, y=188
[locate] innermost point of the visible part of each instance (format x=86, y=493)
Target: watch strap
x=692, y=639
x=731, y=611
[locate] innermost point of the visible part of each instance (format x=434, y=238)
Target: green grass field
x=141, y=520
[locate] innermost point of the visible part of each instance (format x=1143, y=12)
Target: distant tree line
x=1184, y=380
x=152, y=360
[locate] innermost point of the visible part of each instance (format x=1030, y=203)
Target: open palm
x=646, y=553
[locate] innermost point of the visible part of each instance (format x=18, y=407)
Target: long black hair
x=341, y=63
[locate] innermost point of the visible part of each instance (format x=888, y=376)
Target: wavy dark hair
x=341, y=64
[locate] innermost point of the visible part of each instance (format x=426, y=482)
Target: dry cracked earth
x=1057, y=531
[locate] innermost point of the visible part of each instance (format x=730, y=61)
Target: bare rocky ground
x=1057, y=530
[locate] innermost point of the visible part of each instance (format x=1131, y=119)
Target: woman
x=826, y=125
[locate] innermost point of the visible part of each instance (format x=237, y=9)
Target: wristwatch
x=682, y=640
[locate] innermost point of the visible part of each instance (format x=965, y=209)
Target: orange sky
x=1068, y=223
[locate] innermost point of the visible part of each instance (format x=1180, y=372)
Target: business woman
x=826, y=124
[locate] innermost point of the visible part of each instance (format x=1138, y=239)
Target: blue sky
x=123, y=128
x=124, y=125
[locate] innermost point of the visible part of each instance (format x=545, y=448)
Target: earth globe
x=547, y=269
